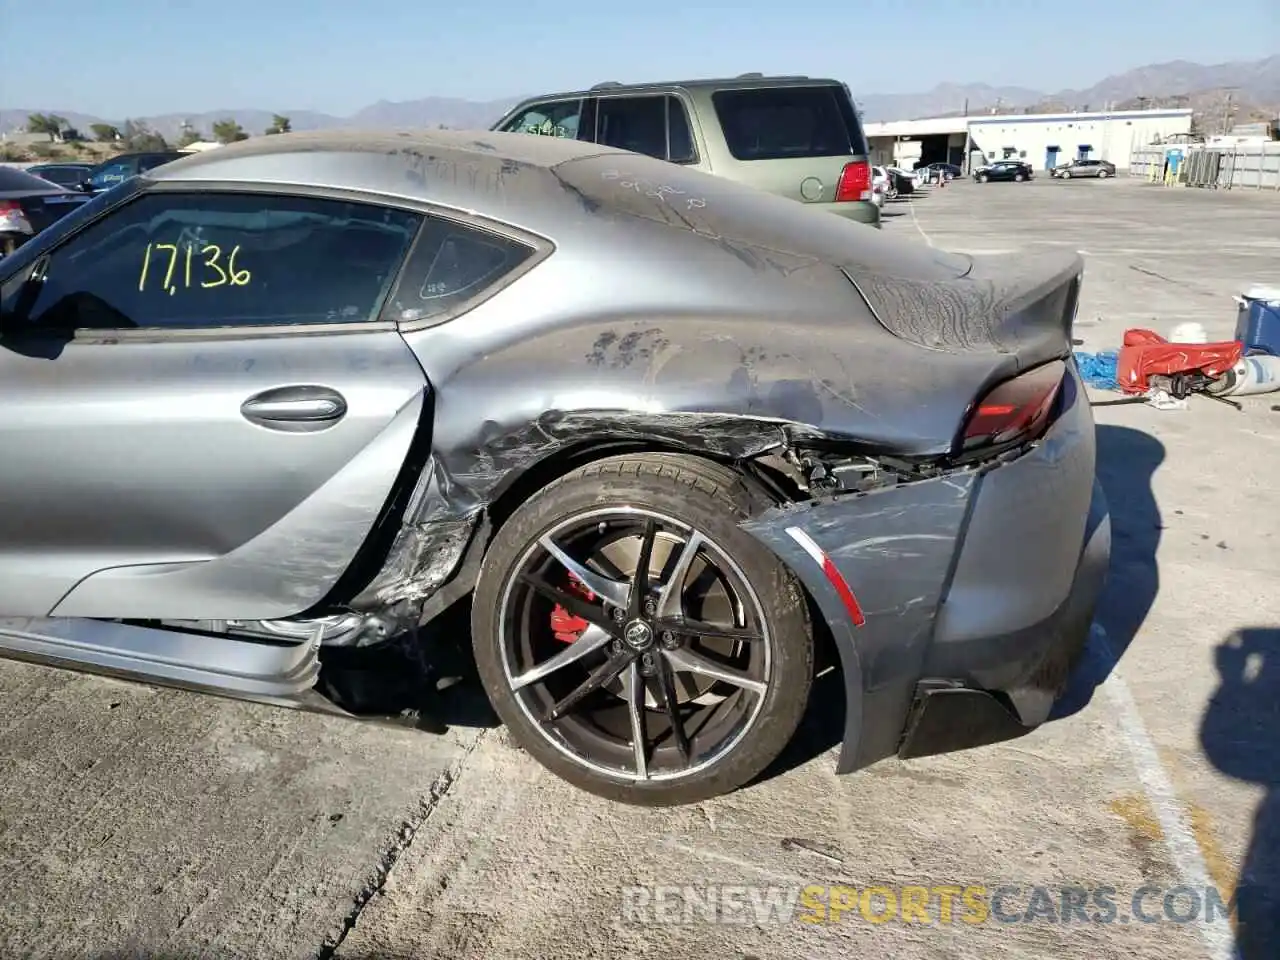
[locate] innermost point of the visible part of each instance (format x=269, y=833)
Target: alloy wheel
x=634, y=644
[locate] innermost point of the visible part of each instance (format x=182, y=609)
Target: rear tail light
x=855, y=182
x=12, y=219
x=1016, y=409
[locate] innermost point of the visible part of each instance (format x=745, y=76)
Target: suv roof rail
x=606, y=84
x=749, y=76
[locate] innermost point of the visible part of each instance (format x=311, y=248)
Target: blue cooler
x=1258, y=323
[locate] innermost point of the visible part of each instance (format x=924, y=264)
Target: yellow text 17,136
x=186, y=267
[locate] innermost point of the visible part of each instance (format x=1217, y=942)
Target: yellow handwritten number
x=173, y=259
x=238, y=277
x=212, y=254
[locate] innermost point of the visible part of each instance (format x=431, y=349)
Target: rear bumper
x=977, y=591
x=859, y=211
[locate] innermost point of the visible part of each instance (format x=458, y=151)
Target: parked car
x=939, y=171
x=63, y=174
x=904, y=182
x=120, y=168
x=798, y=137
x=1085, y=168
x=881, y=185
x=291, y=399
x=28, y=204
x=1015, y=170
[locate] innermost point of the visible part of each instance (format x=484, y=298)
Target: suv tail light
x=855, y=182
x=12, y=219
x=1016, y=409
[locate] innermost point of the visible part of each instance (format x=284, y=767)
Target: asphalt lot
x=137, y=822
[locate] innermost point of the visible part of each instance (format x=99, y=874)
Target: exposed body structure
x=310, y=391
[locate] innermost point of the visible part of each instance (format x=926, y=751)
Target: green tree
x=138, y=137
x=189, y=136
x=105, y=132
x=49, y=124
x=279, y=124
x=228, y=131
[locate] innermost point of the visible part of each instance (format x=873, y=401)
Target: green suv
x=794, y=136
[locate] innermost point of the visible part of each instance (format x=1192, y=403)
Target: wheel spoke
x=607, y=672
x=671, y=706
x=592, y=639
x=670, y=601
x=640, y=582
x=689, y=662
x=696, y=628
x=575, y=605
x=633, y=690
x=615, y=591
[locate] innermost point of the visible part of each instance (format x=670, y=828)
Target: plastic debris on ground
x=1098, y=370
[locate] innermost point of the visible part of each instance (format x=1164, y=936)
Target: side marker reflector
x=831, y=572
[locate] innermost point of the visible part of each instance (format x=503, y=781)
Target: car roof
x=750, y=81
x=506, y=176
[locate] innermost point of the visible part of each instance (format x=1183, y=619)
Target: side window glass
x=638, y=124
x=452, y=267
x=193, y=261
x=680, y=147
x=111, y=174
x=560, y=119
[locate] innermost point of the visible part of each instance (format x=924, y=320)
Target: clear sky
x=115, y=58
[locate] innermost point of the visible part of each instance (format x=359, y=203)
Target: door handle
x=295, y=409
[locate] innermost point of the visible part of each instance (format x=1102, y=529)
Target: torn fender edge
x=895, y=550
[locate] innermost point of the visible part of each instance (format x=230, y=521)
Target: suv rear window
x=778, y=123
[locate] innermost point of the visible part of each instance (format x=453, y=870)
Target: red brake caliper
x=565, y=625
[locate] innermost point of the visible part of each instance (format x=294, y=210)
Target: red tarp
x=1146, y=353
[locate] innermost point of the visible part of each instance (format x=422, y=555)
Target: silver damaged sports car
x=291, y=399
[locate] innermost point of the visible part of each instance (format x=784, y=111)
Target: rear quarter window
x=779, y=123
x=453, y=266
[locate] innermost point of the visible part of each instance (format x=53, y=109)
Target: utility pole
x=966, y=106
x=1226, y=112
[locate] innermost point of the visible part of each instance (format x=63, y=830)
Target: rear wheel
x=635, y=640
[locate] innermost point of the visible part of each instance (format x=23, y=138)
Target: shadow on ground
x=1239, y=734
x=399, y=680
x=1127, y=460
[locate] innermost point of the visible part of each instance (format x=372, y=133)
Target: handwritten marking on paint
x=664, y=193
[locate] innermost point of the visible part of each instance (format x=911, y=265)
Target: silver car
x=278, y=406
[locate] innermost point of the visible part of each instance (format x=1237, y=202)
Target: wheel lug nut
x=669, y=640
x=650, y=607
x=619, y=614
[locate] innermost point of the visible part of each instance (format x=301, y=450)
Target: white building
x=1043, y=140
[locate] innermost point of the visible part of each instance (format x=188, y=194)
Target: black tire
x=1018, y=178
x=710, y=499
x=1102, y=174
x=983, y=178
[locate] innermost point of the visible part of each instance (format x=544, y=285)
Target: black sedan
x=28, y=204
x=1015, y=170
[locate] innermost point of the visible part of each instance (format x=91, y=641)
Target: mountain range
x=1254, y=87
